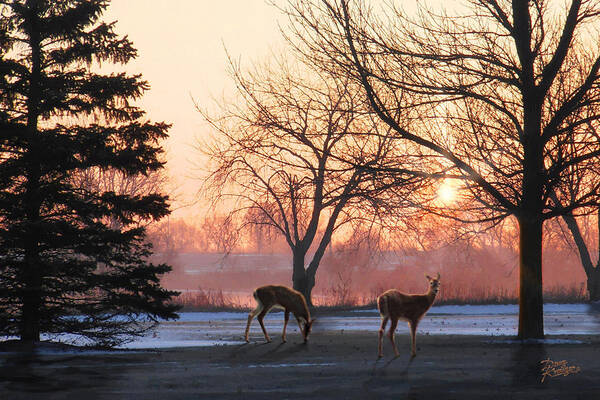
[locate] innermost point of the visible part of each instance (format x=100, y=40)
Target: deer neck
x=301, y=310
x=305, y=314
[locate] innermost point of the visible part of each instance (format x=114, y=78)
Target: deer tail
x=382, y=305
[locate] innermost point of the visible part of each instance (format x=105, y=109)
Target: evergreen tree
x=73, y=259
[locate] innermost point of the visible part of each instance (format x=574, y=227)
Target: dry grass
x=340, y=297
x=210, y=300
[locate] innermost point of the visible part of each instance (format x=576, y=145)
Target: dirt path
x=331, y=366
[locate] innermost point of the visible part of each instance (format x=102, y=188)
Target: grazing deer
x=394, y=305
x=289, y=300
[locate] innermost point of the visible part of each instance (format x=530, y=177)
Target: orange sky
x=181, y=53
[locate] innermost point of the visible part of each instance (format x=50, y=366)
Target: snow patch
x=500, y=309
x=290, y=365
x=162, y=344
x=539, y=341
x=227, y=328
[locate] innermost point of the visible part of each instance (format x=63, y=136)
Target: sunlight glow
x=446, y=193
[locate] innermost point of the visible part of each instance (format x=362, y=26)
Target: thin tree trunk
x=531, y=301
x=593, y=282
x=592, y=273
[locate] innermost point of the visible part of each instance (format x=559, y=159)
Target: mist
x=478, y=271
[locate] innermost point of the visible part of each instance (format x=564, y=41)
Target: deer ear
x=438, y=276
x=428, y=277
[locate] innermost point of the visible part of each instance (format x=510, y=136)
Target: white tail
x=394, y=305
x=284, y=297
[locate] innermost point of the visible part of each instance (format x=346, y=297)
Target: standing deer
x=289, y=300
x=394, y=305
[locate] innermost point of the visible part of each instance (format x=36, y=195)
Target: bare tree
x=222, y=233
x=286, y=158
x=512, y=82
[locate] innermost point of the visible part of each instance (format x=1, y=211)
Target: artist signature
x=557, y=368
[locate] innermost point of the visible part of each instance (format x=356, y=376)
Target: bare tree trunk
x=593, y=284
x=301, y=280
x=531, y=301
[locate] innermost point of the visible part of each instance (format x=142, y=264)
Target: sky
x=181, y=46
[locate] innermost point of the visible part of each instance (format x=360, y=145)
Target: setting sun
x=446, y=192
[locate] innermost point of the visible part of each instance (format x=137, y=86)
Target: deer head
x=434, y=283
x=306, y=329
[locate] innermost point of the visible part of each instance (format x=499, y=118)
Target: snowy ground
x=207, y=329
x=227, y=328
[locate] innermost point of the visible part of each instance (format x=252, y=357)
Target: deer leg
x=384, y=321
x=262, y=325
x=286, y=318
x=391, y=335
x=299, y=325
x=413, y=337
x=251, y=316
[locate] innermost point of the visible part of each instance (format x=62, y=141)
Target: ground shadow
x=28, y=372
x=388, y=377
x=526, y=364
x=380, y=365
x=269, y=351
x=285, y=350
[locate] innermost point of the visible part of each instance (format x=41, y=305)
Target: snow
x=148, y=343
x=290, y=365
x=227, y=328
x=208, y=316
x=540, y=341
x=498, y=309
x=486, y=320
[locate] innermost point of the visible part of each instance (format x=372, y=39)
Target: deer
x=393, y=305
x=290, y=300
